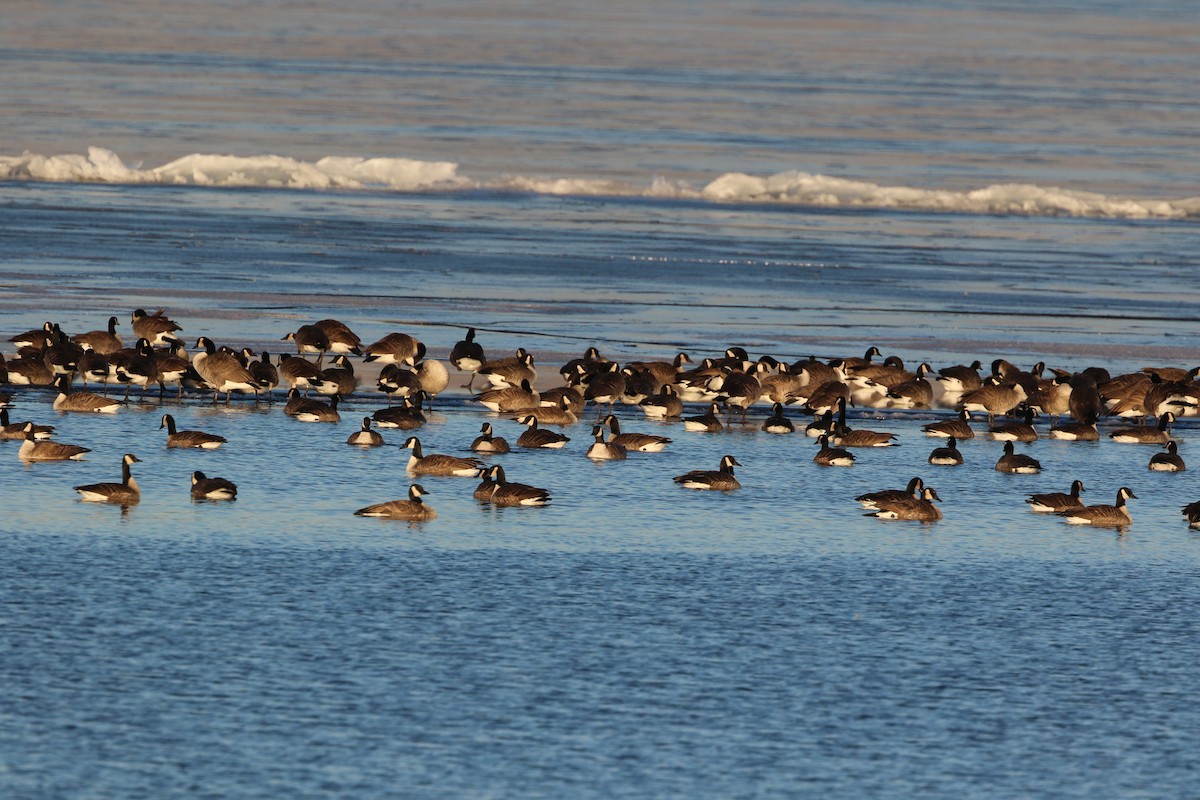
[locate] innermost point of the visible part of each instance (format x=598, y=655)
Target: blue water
x=946, y=180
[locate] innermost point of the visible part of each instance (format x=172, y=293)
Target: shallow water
x=634, y=638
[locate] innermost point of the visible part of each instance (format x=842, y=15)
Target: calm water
x=633, y=639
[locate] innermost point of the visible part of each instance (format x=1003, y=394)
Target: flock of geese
x=1144, y=404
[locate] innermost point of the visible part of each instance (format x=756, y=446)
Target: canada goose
x=34, y=449
x=664, y=372
x=338, y=379
x=832, y=456
x=826, y=397
x=777, y=422
x=580, y=369
x=960, y=379
x=397, y=380
x=485, y=442
x=200, y=439
x=16, y=430
x=307, y=410
x=438, y=464
x=1083, y=402
x=36, y=338
x=1169, y=461
x=708, y=422
x=467, y=356
x=505, y=493
x=508, y=399
x=915, y=393
x=175, y=367
x=140, y=370
x=641, y=442
x=82, y=401
x=742, y=389
x=540, y=438
x=27, y=372
x=820, y=426
x=342, y=340
x=487, y=486
x=888, y=374
x=664, y=405
x=568, y=397
x=300, y=373
x=1016, y=431
x=843, y=436
x=639, y=384
x=1056, y=502
x=1124, y=395
x=392, y=349
x=1163, y=395
x=1192, y=513
x=959, y=427
x=873, y=499
x=92, y=366
x=1114, y=516
x=206, y=488
x=993, y=399
x=309, y=339
x=1053, y=398
x=947, y=456
x=1075, y=432
x=102, y=342
x=365, y=437
x=407, y=416
x=413, y=509
x=606, y=386
x=1146, y=434
x=559, y=413
x=858, y=363
x=919, y=508
x=720, y=479
x=1017, y=463
x=125, y=493
x=779, y=386
x=266, y=374
x=601, y=450
x=156, y=328
x=511, y=371
x=222, y=371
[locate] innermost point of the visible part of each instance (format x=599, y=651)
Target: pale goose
x=1169, y=461
x=438, y=464
x=1114, y=516
x=505, y=493
x=828, y=456
x=540, y=438
x=206, y=488
x=720, y=479
x=125, y=493
x=431, y=375
x=641, y=442
x=34, y=449
x=16, y=430
x=948, y=456
x=156, y=328
x=485, y=442
x=1146, y=434
x=959, y=427
x=102, y=342
x=85, y=402
x=221, y=371
x=873, y=499
x=196, y=439
x=1055, y=502
x=414, y=509
x=1017, y=463
x=365, y=437
x=601, y=450
x=919, y=508
x=467, y=356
